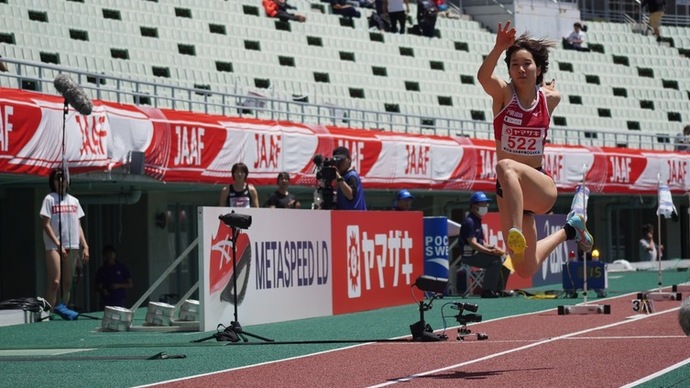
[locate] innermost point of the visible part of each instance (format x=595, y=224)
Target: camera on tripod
x=326, y=169
x=464, y=319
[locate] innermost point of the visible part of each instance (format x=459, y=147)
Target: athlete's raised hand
x=551, y=86
x=505, y=36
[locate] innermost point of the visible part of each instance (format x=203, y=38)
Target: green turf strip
x=117, y=359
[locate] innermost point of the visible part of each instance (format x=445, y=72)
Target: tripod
x=421, y=331
x=235, y=327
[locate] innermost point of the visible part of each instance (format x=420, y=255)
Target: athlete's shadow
x=460, y=375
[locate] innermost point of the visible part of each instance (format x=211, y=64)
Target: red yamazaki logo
x=221, y=264
x=354, y=289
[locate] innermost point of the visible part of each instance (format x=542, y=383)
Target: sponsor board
x=283, y=266
x=550, y=271
x=377, y=256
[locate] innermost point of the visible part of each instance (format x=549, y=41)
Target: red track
x=542, y=349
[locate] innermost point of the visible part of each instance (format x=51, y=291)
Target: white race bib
x=239, y=202
x=522, y=140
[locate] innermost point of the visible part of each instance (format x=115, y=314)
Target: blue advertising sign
x=552, y=267
x=436, y=247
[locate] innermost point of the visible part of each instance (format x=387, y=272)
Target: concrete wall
x=541, y=18
x=148, y=250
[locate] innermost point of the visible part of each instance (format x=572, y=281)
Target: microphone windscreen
x=62, y=82
x=74, y=94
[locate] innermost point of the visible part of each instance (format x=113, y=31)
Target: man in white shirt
x=576, y=39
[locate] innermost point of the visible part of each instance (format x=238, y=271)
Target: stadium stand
x=629, y=92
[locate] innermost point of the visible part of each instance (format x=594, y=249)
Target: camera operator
x=350, y=195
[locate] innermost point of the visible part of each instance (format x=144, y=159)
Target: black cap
x=341, y=153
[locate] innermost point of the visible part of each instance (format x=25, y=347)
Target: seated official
x=477, y=253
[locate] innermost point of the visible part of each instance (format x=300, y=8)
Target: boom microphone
x=73, y=94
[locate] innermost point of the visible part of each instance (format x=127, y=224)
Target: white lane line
x=354, y=346
x=495, y=355
x=621, y=337
x=657, y=374
x=39, y=352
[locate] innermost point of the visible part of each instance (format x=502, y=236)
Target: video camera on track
x=464, y=319
x=324, y=194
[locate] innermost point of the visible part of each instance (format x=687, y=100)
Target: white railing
x=40, y=77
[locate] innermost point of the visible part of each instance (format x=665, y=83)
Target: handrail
x=267, y=108
x=165, y=274
x=613, y=11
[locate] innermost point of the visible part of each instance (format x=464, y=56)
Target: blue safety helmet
x=479, y=196
x=403, y=194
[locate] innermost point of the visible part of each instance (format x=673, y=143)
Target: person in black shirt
x=240, y=193
x=282, y=198
x=656, y=10
x=112, y=279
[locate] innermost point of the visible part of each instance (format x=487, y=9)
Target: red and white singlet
x=522, y=131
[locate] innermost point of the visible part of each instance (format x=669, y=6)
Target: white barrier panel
x=283, y=267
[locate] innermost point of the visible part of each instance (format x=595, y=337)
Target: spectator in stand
x=367, y=3
x=444, y=10
x=576, y=39
x=380, y=19
x=343, y=8
x=682, y=141
x=427, y=13
x=279, y=9
x=239, y=193
x=380, y=22
x=403, y=200
x=282, y=198
x=3, y=68
x=397, y=11
x=656, y=10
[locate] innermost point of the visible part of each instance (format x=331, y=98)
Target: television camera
x=422, y=331
x=324, y=195
x=464, y=319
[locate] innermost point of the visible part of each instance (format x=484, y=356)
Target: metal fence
x=676, y=14
x=40, y=76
